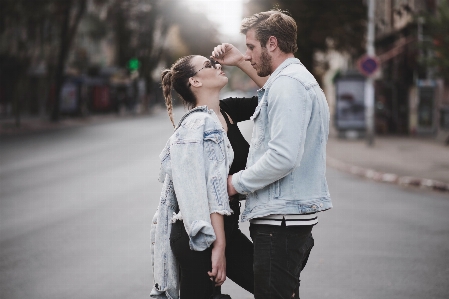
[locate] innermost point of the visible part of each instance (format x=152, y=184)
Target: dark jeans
x=239, y=251
x=195, y=282
x=280, y=254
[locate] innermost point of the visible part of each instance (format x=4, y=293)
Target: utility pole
x=369, y=85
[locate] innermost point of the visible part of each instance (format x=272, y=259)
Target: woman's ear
x=194, y=82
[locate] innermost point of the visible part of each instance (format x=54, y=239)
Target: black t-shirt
x=239, y=109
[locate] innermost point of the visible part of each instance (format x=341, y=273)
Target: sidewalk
x=400, y=160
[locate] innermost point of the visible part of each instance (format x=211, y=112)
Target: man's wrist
x=241, y=63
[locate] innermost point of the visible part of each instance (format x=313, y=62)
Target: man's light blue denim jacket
x=194, y=168
x=286, y=167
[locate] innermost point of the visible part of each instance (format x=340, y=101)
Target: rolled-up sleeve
x=189, y=181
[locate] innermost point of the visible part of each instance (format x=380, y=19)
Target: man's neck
x=278, y=59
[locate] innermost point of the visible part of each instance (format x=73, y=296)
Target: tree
x=70, y=14
x=25, y=28
x=141, y=28
x=29, y=30
x=43, y=32
x=322, y=25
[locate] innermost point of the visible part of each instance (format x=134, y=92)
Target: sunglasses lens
x=213, y=63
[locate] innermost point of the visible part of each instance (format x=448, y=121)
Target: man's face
x=256, y=54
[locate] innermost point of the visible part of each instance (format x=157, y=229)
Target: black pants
x=195, y=282
x=280, y=254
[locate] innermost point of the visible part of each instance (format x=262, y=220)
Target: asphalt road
x=76, y=206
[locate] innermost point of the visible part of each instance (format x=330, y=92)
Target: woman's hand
x=218, y=273
x=227, y=54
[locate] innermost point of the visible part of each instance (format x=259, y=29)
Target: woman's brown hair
x=177, y=77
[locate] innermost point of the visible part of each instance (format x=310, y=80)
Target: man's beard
x=265, y=64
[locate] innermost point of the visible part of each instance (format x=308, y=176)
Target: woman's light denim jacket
x=194, y=168
x=286, y=167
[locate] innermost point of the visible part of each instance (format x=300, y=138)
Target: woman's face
x=207, y=74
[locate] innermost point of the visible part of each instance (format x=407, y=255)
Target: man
x=284, y=179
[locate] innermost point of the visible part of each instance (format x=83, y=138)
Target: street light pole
x=369, y=85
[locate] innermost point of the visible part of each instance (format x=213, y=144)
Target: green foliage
x=436, y=43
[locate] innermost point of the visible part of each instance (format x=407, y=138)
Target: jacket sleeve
x=289, y=111
x=190, y=183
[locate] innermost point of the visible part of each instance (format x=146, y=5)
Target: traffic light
x=133, y=64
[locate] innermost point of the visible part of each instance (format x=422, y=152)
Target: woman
x=194, y=169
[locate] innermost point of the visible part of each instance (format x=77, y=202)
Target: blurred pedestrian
x=284, y=179
x=196, y=224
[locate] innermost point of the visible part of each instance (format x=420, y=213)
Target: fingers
x=219, y=277
x=217, y=53
x=212, y=274
x=220, y=50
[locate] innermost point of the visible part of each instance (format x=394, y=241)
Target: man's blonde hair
x=273, y=23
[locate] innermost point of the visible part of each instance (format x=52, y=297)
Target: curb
x=388, y=177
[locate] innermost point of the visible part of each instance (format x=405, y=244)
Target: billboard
x=350, y=103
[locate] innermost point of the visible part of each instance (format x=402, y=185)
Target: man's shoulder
x=295, y=74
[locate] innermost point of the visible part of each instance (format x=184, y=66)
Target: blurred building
x=410, y=98
x=96, y=77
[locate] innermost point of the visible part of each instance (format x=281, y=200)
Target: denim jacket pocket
x=214, y=145
x=259, y=125
x=276, y=189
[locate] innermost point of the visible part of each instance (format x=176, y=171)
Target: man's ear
x=195, y=82
x=272, y=43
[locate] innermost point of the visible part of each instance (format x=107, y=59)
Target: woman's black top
x=239, y=109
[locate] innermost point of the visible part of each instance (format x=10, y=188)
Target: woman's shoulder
x=194, y=124
x=203, y=118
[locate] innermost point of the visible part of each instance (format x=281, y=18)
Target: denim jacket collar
x=196, y=109
x=279, y=69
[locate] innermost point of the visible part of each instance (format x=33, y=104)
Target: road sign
x=368, y=65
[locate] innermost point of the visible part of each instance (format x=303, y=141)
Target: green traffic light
x=134, y=64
